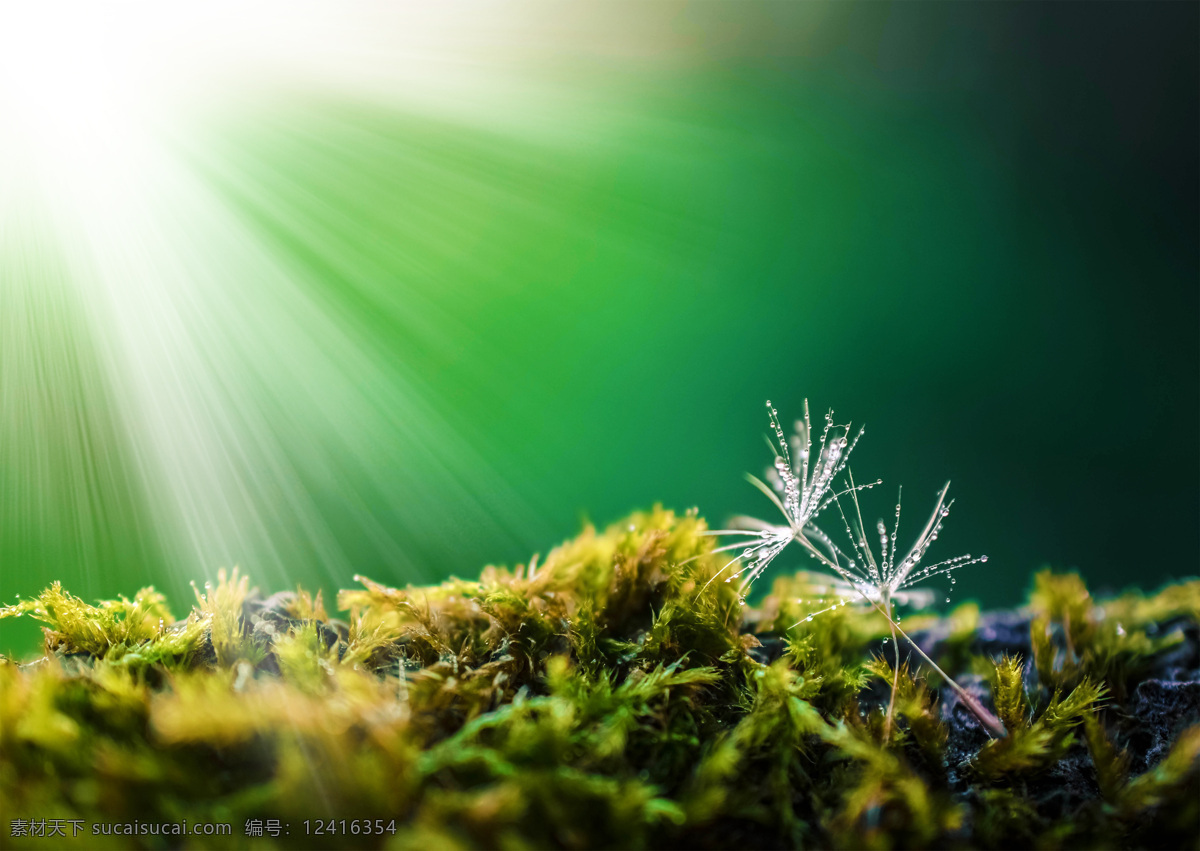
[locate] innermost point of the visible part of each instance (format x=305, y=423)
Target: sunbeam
x=165, y=371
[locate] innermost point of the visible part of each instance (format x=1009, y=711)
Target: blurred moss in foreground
x=600, y=698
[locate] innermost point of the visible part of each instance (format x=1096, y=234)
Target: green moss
x=1034, y=741
x=606, y=696
x=105, y=631
x=1074, y=638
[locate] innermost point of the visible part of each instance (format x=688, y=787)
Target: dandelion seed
x=801, y=487
x=884, y=578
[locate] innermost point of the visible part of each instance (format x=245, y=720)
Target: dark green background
x=971, y=226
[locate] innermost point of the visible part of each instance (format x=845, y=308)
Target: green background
x=972, y=227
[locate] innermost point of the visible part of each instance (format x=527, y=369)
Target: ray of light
x=161, y=363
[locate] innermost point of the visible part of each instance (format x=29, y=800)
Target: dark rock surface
x=1159, y=711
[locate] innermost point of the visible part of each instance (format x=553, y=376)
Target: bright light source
x=208, y=349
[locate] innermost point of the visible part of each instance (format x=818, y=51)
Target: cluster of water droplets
x=787, y=480
x=843, y=601
x=806, y=486
x=757, y=556
x=912, y=575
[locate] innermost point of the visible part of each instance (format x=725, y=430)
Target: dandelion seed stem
x=990, y=722
x=887, y=604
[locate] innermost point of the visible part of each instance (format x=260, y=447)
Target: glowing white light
x=213, y=349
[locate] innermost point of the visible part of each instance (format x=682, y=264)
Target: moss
x=1034, y=742
x=1073, y=637
x=608, y=696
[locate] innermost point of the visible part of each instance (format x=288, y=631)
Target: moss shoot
x=601, y=699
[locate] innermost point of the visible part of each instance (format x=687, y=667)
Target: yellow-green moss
x=607, y=696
